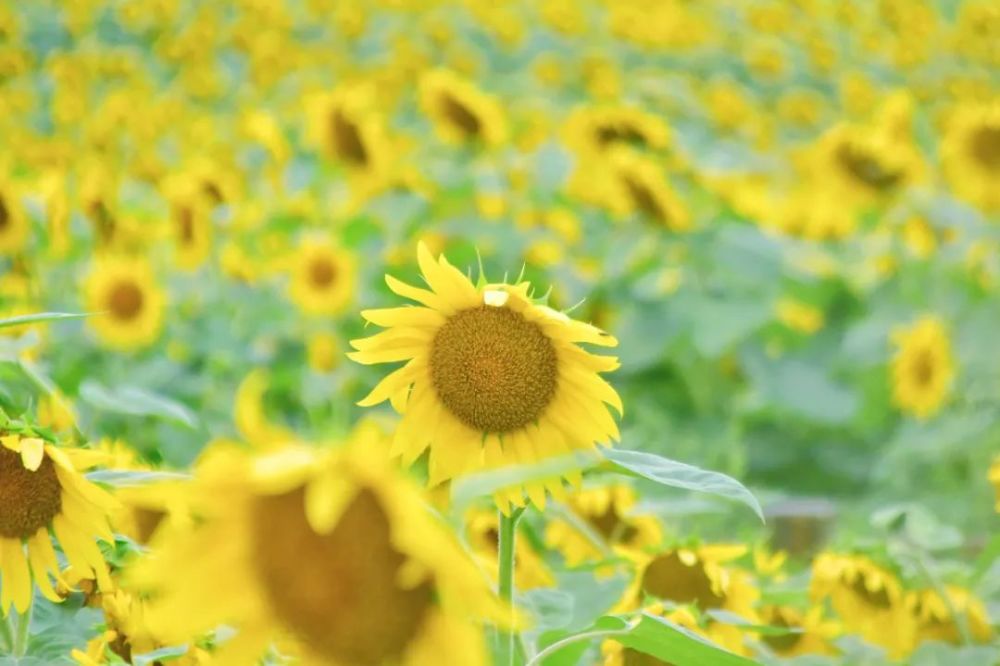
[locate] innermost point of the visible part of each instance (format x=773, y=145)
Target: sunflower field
x=479, y=333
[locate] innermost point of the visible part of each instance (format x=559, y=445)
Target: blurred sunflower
x=323, y=277
x=590, y=131
x=922, y=368
x=697, y=576
x=868, y=599
x=327, y=552
x=460, y=111
x=190, y=225
x=994, y=477
x=251, y=420
x=639, y=186
x=607, y=512
x=812, y=633
x=42, y=491
x=970, y=154
x=935, y=621
x=14, y=229
x=346, y=125
x=491, y=377
x=530, y=570
x=124, y=292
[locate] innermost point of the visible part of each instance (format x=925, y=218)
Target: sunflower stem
x=20, y=645
x=6, y=635
x=505, y=549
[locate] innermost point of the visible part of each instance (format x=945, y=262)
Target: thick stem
x=505, y=551
x=6, y=635
x=20, y=646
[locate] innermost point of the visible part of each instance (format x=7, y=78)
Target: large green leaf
x=681, y=475
x=41, y=318
x=136, y=402
x=674, y=644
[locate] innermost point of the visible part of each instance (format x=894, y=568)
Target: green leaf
x=680, y=475
x=163, y=654
x=126, y=478
x=467, y=489
x=41, y=317
x=136, y=402
x=676, y=645
x=985, y=560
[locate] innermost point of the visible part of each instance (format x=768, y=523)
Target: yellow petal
x=32, y=453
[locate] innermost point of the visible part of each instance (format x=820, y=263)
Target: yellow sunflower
x=607, y=511
x=922, y=368
x=530, y=570
x=591, y=131
x=323, y=277
x=14, y=229
x=491, y=377
x=460, y=111
x=698, y=576
x=42, y=495
x=638, y=185
x=970, y=154
x=128, y=302
x=190, y=224
x=799, y=316
x=934, y=616
x=347, y=126
x=814, y=634
x=251, y=420
x=868, y=599
x=326, y=552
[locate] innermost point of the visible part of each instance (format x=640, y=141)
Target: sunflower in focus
x=868, y=599
x=812, y=633
x=129, y=302
x=934, y=616
x=42, y=495
x=970, y=154
x=323, y=277
x=607, y=512
x=326, y=553
x=460, y=112
x=491, y=378
x=922, y=368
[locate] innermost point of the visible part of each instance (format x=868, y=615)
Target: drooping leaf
x=136, y=402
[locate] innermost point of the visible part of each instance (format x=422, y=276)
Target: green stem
x=505, y=551
x=6, y=635
x=576, y=638
x=20, y=646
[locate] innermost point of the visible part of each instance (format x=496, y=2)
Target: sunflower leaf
x=125, y=478
x=674, y=644
x=41, y=317
x=163, y=654
x=681, y=475
x=135, y=401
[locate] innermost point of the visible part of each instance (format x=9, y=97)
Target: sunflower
x=530, y=571
x=639, y=186
x=128, y=302
x=323, y=277
x=813, y=633
x=697, y=576
x=934, y=616
x=328, y=553
x=14, y=229
x=868, y=599
x=42, y=494
x=190, y=224
x=922, y=368
x=591, y=131
x=607, y=512
x=251, y=420
x=970, y=154
x=491, y=377
x=347, y=127
x=323, y=352
x=461, y=112
x=799, y=316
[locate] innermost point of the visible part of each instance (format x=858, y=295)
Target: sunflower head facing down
x=460, y=112
x=970, y=154
x=327, y=554
x=42, y=495
x=491, y=378
x=128, y=302
x=923, y=367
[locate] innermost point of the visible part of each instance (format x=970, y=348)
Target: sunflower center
x=347, y=139
x=645, y=200
x=29, y=500
x=339, y=591
x=185, y=225
x=865, y=168
x=460, y=116
x=607, y=134
x=632, y=657
x=667, y=577
x=321, y=272
x=923, y=368
x=985, y=146
x=4, y=214
x=125, y=300
x=493, y=369
x=611, y=526
x=878, y=598
x=782, y=642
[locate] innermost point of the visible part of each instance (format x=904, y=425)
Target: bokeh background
x=785, y=211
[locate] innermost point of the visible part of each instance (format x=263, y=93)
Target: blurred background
x=785, y=211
